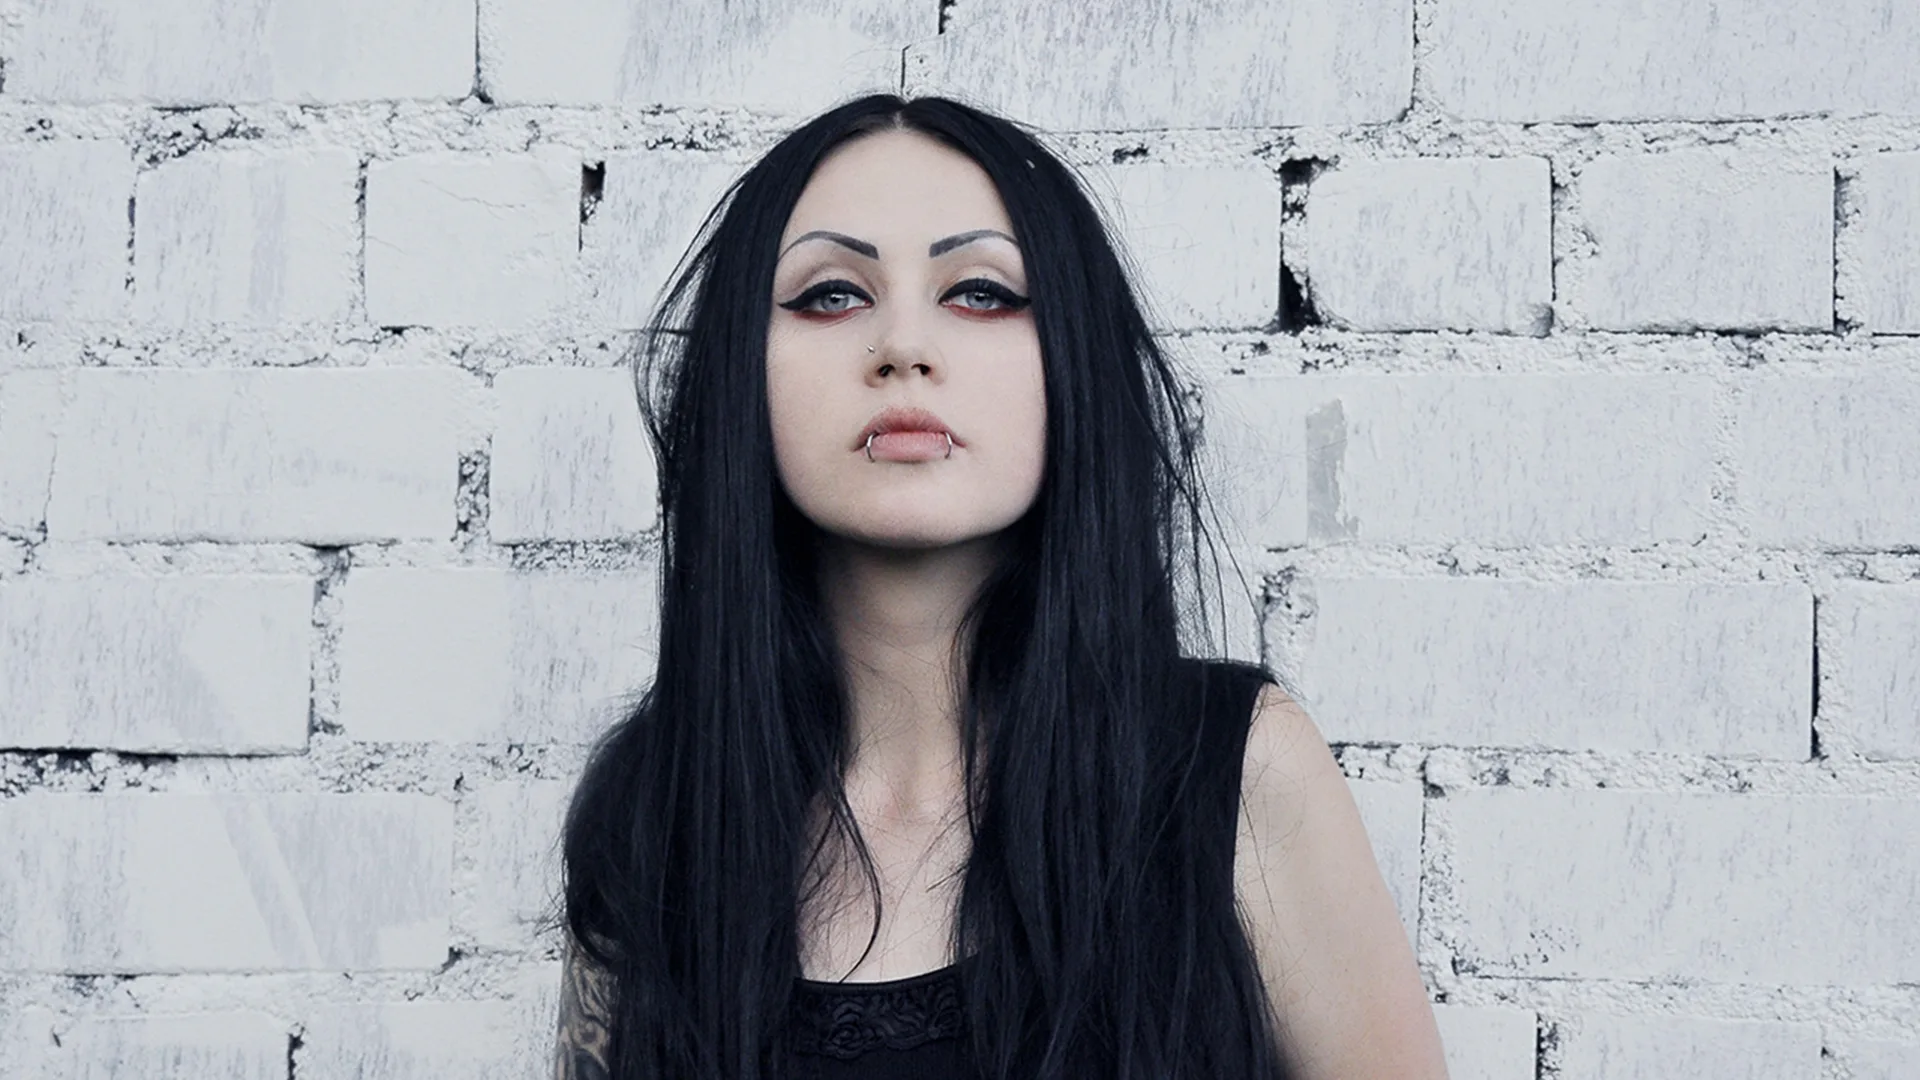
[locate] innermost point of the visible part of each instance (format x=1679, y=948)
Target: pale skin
x=909, y=544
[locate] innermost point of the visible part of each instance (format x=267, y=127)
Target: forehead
x=900, y=184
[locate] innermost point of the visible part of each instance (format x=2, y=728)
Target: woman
x=923, y=785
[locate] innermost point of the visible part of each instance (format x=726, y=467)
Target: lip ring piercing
x=948, y=434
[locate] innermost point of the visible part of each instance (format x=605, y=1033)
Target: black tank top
x=915, y=1027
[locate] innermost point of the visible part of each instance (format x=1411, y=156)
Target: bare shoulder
x=1339, y=969
x=586, y=1011
x=1285, y=750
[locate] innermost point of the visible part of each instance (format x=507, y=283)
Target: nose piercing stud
x=948, y=434
x=869, y=348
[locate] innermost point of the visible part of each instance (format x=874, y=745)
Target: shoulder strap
x=1225, y=694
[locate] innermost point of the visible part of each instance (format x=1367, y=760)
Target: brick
x=1392, y=816
x=760, y=55
x=194, y=52
x=156, y=665
x=1882, y=1059
x=209, y=1045
x=1829, y=460
x=570, y=460
x=332, y=456
x=1631, y=1047
x=476, y=655
x=467, y=239
x=1869, y=637
x=1806, y=890
x=1624, y=60
x=482, y=1039
x=516, y=858
x=1708, y=239
x=191, y=882
x=1243, y=63
x=1432, y=244
x=1486, y=1043
x=651, y=207
x=1671, y=667
x=239, y=236
x=31, y=403
x=1205, y=240
x=1888, y=192
x=64, y=229
x=1481, y=458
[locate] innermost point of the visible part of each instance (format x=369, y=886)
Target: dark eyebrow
x=941, y=247
x=934, y=250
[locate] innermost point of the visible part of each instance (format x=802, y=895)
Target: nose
x=902, y=352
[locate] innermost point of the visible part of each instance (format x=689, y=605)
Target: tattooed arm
x=586, y=997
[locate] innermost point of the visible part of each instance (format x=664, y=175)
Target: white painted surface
x=156, y=665
x=403, y=503
x=1412, y=244
x=571, y=459
x=465, y=655
x=256, y=455
x=1708, y=239
x=247, y=237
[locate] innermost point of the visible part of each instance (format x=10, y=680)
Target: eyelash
x=1010, y=300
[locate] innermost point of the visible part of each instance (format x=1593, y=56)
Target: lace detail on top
x=845, y=1020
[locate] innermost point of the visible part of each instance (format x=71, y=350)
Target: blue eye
x=823, y=290
x=976, y=288
x=982, y=295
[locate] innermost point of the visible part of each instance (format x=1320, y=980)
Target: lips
x=905, y=435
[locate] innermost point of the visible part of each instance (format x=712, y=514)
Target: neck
x=896, y=616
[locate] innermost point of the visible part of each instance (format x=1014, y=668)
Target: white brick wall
x=213, y=1045
x=1628, y=1047
x=1889, y=189
x=1623, y=60
x=64, y=230
x=570, y=457
x=192, y=52
x=1882, y=1059
x=1415, y=244
x=1498, y=459
x=180, y=882
x=1802, y=890
x=463, y=239
x=516, y=863
x=31, y=403
x=1391, y=812
x=428, y=1040
x=1695, y=668
x=1559, y=373
x=1487, y=1043
x=247, y=237
x=1206, y=240
x=1240, y=63
x=1829, y=460
x=207, y=665
x=650, y=209
x=775, y=57
x=462, y=655
x=1870, y=684
x=320, y=456
x=1709, y=239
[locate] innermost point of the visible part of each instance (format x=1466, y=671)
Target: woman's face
x=902, y=245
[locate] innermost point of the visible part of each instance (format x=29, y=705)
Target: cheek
x=1017, y=405
x=799, y=429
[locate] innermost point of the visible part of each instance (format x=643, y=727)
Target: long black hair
x=1093, y=946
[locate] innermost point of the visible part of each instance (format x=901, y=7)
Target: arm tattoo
x=586, y=1000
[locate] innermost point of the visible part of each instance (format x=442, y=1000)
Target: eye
x=981, y=291
x=834, y=291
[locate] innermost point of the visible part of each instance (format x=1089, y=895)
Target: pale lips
x=907, y=436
